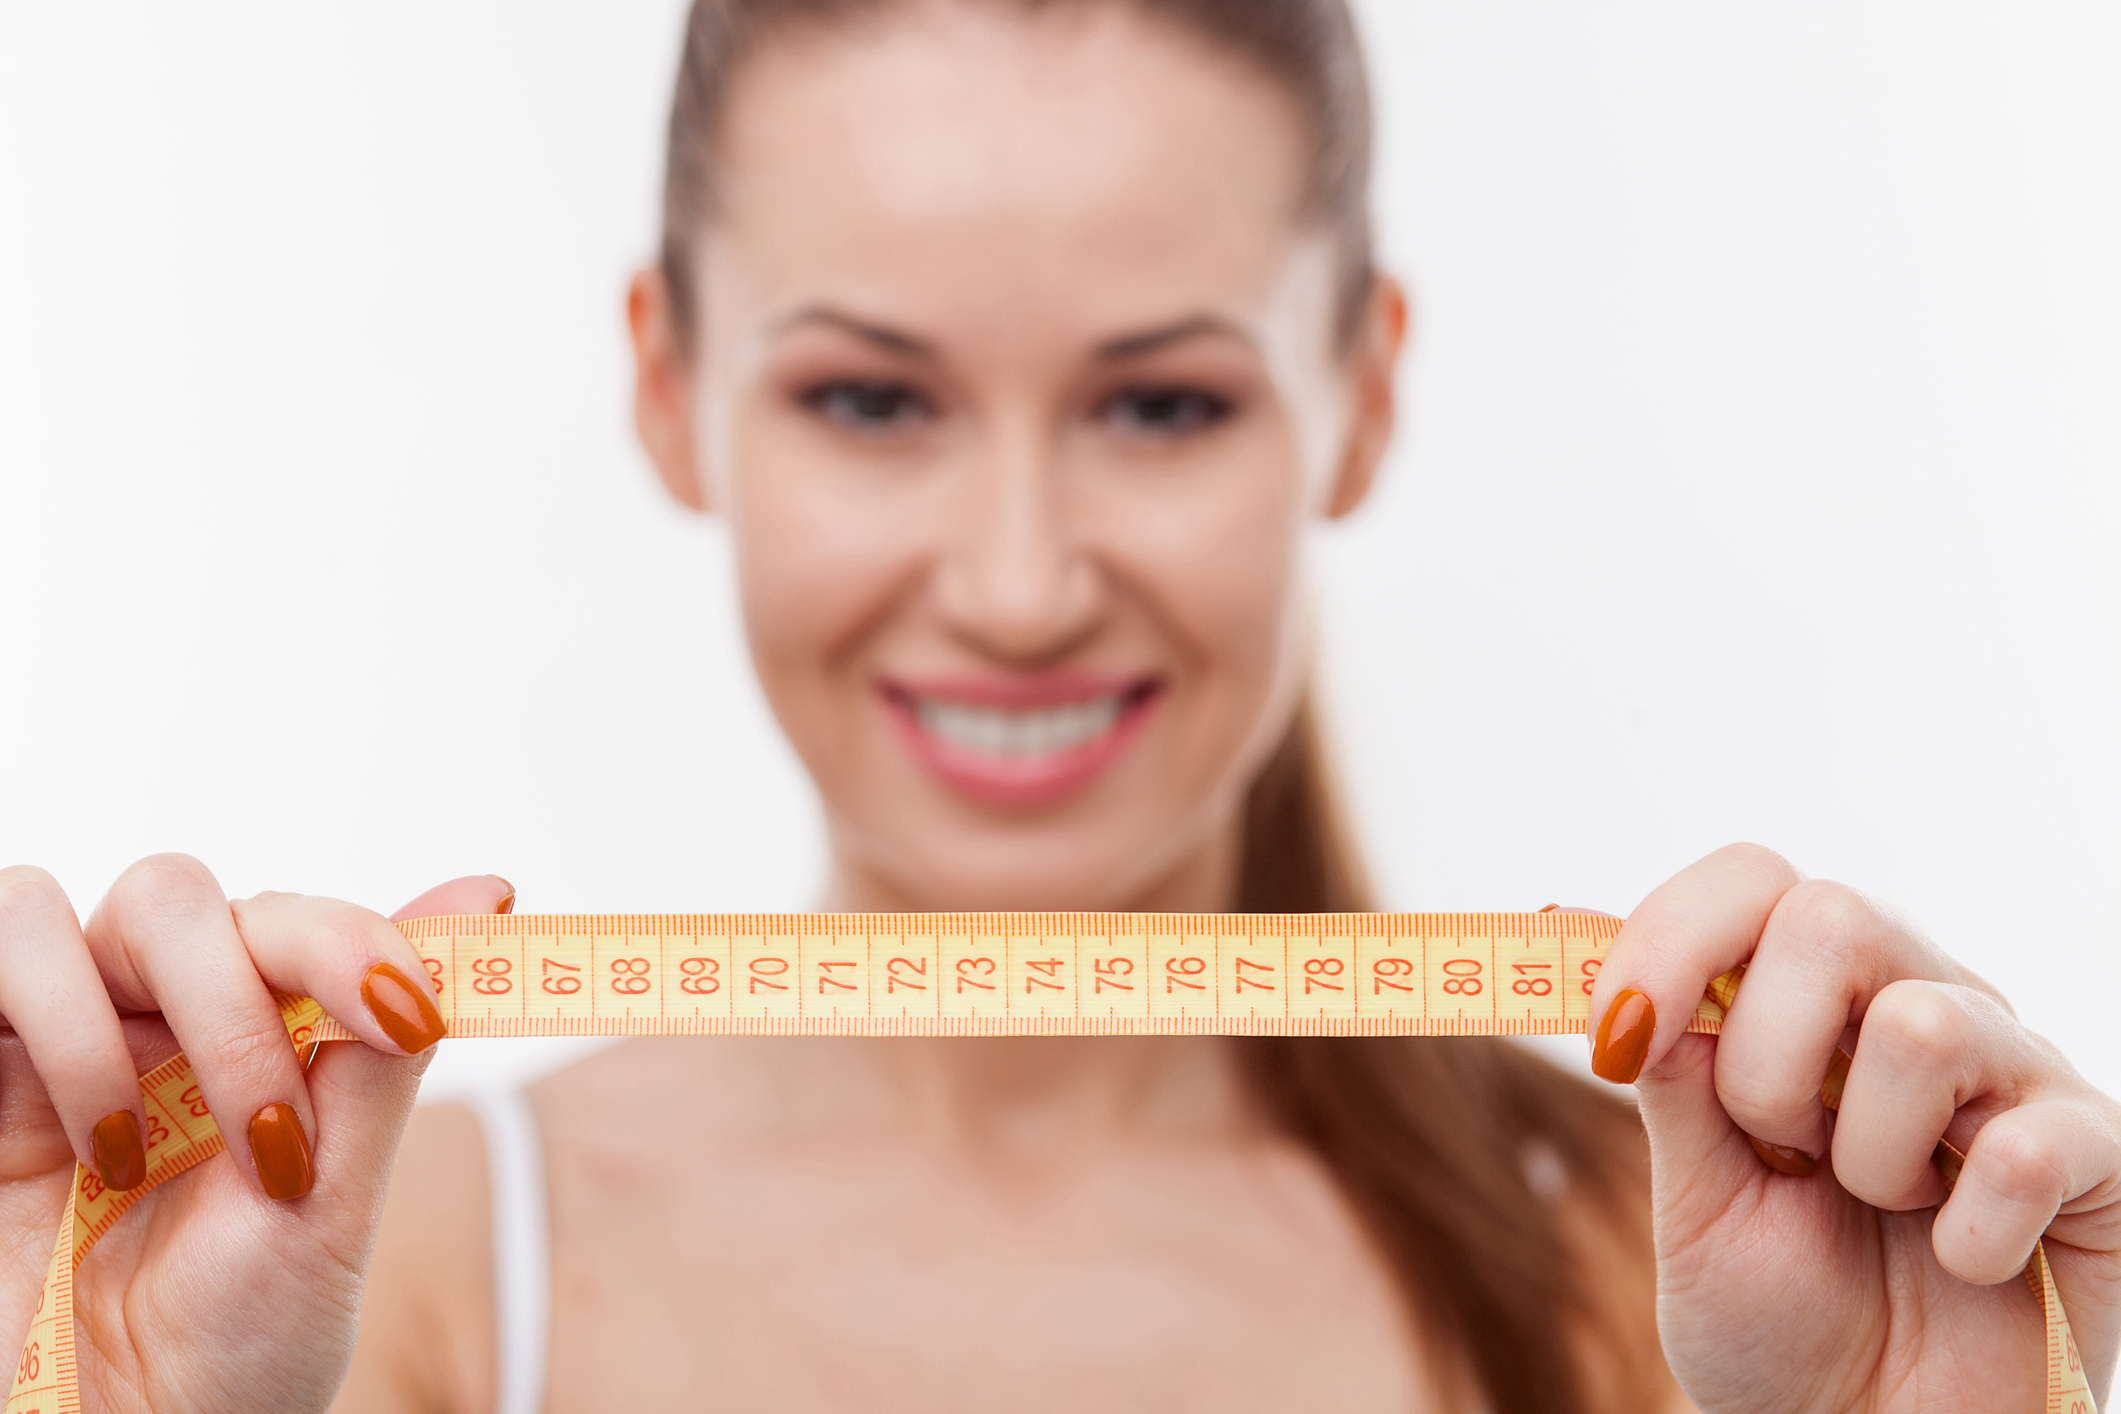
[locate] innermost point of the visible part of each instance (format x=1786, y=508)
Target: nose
x=1016, y=582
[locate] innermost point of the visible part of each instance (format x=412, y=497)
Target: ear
x=1374, y=406
x=662, y=389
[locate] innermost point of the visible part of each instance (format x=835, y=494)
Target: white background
x=1763, y=478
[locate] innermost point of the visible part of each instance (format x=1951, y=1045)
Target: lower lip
x=1023, y=782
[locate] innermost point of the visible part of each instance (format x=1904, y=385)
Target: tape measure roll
x=940, y=974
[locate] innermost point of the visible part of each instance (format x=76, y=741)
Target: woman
x=1019, y=343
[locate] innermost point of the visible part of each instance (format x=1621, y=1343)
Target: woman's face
x=1014, y=375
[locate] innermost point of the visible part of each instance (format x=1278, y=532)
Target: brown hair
x=1307, y=45
x=1443, y=1145
x=1437, y=1144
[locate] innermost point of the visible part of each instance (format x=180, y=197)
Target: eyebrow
x=1126, y=346
x=883, y=336
x=1198, y=326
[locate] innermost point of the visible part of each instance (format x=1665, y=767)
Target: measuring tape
x=1045, y=974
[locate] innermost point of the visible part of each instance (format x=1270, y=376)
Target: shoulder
x=427, y=1317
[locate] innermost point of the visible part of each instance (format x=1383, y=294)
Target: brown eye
x=868, y=406
x=1163, y=412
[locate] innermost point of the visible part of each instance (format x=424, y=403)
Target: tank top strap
x=522, y=1247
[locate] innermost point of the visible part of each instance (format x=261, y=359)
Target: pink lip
x=1023, y=782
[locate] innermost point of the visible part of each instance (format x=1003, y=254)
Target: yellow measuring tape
x=1381, y=974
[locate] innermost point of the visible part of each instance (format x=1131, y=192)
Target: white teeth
x=1003, y=733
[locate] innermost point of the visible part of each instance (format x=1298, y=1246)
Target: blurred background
x=1762, y=477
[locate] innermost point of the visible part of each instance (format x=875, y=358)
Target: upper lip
x=1020, y=693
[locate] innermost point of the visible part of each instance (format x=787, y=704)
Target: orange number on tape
x=1178, y=969
x=1385, y=969
x=629, y=975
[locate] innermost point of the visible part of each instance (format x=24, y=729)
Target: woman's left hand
x=1863, y=1284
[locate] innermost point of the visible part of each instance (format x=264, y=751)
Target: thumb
x=1699, y=1159
x=361, y=1096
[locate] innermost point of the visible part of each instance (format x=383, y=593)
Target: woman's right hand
x=237, y=1287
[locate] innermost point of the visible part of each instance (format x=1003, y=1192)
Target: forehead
x=1086, y=158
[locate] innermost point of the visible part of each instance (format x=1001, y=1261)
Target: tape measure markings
x=1428, y=974
x=985, y=974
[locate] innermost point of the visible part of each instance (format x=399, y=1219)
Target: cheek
x=1221, y=566
x=820, y=556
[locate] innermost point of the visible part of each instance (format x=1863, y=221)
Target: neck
x=1047, y=1105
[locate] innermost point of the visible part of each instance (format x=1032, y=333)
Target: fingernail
x=1837, y=1076
x=404, y=1011
x=281, y=1150
x=1624, y=1038
x=1782, y=1158
x=119, y=1152
x=508, y=904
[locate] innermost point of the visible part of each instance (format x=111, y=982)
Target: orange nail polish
x=119, y=1152
x=1624, y=1038
x=1782, y=1158
x=1949, y=1162
x=506, y=905
x=405, y=1012
x=1837, y=1076
x=281, y=1151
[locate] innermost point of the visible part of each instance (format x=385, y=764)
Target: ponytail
x=1437, y=1143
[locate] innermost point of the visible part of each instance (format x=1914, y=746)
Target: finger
x=1931, y=1061
x=2025, y=1166
x=53, y=997
x=1823, y=955
x=354, y=962
x=362, y=1097
x=165, y=939
x=1693, y=928
x=475, y=893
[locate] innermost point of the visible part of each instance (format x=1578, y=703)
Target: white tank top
x=522, y=1243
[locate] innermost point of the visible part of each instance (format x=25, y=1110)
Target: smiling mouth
x=1024, y=744
x=999, y=732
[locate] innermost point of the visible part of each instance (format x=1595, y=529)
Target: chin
x=1079, y=868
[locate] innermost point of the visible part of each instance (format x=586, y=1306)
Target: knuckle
x=1826, y=918
x=1831, y=933
x=1921, y=1026
x=28, y=895
x=2022, y=1163
x=1760, y=861
x=249, y=1045
x=162, y=885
